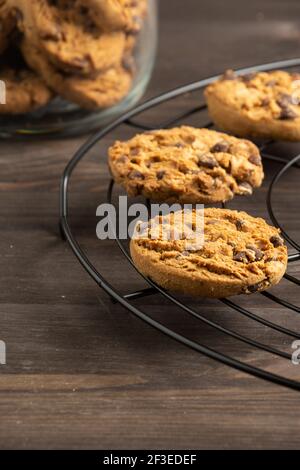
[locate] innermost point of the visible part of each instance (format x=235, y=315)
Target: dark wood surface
x=82, y=372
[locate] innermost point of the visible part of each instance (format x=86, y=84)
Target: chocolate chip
x=245, y=188
x=142, y=228
x=183, y=169
x=179, y=145
x=276, y=241
x=257, y=252
x=122, y=159
x=51, y=35
x=191, y=225
x=287, y=113
x=249, y=256
x=212, y=222
x=265, y=102
x=255, y=159
x=248, y=77
x=285, y=100
x=134, y=151
x=79, y=63
x=84, y=10
x=221, y=146
x=190, y=139
x=160, y=174
x=136, y=175
x=229, y=75
x=241, y=257
x=256, y=287
x=185, y=253
x=155, y=159
x=239, y=224
x=208, y=161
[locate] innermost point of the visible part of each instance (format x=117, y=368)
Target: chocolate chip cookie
x=240, y=255
x=264, y=104
x=100, y=91
x=186, y=165
x=69, y=38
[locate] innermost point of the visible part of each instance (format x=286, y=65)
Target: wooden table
x=83, y=373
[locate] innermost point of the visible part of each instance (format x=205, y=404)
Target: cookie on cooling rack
x=264, y=104
x=186, y=165
x=240, y=255
x=100, y=91
x=68, y=37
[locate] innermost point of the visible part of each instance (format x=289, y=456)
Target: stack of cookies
x=81, y=50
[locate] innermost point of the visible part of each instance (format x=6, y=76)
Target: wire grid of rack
x=127, y=300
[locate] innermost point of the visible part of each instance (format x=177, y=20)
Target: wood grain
x=83, y=373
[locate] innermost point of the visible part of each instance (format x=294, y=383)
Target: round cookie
x=264, y=104
x=7, y=24
x=25, y=91
x=186, y=165
x=110, y=15
x=101, y=91
x=240, y=255
x=68, y=37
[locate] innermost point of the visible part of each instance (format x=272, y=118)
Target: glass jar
x=63, y=118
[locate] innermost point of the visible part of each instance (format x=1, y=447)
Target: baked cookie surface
x=263, y=104
x=186, y=165
x=68, y=37
x=101, y=91
x=240, y=255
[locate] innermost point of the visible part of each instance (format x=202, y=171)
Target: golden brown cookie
x=25, y=91
x=186, y=165
x=264, y=104
x=110, y=15
x=69, y=38
x=101, y=91
x=240, y=255
x=7, y=24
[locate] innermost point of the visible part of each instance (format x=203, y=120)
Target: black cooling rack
x=127, y=300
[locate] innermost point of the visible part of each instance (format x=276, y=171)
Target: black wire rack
x=127, y=300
